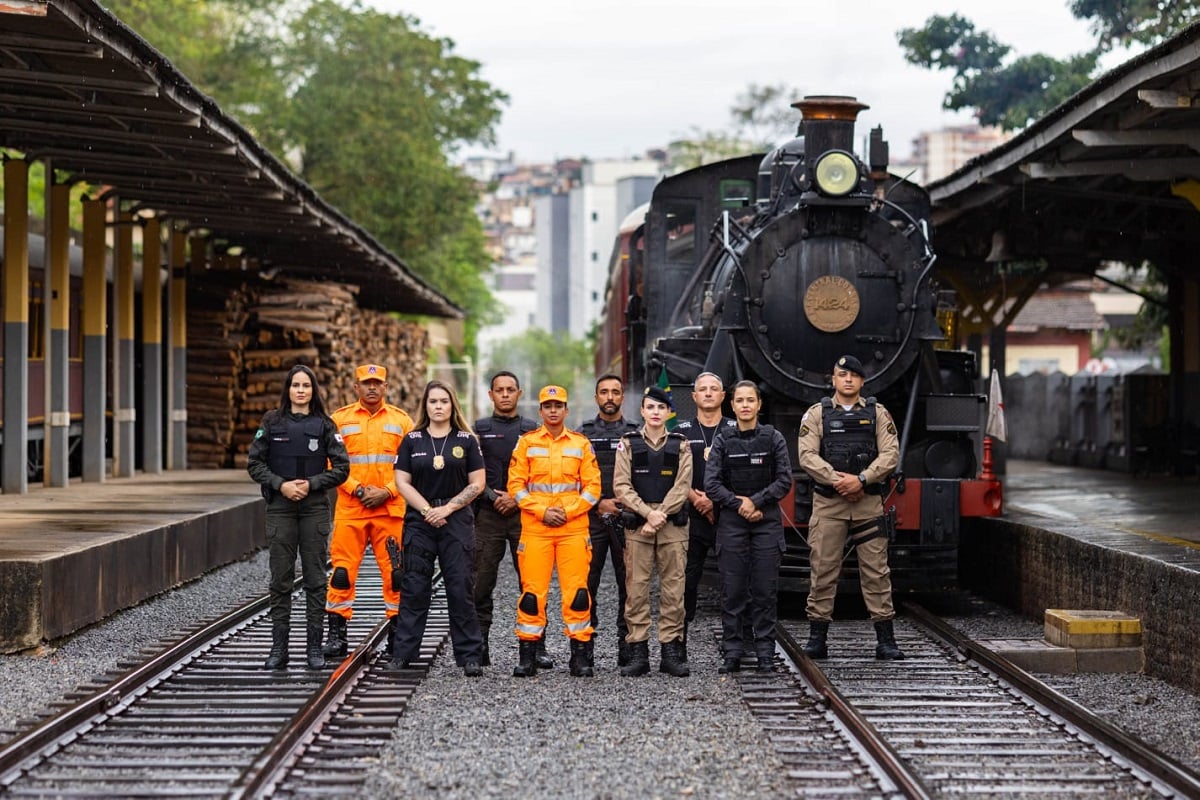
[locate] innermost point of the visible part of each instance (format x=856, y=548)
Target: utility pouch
x=631, y=521
x=397, y=559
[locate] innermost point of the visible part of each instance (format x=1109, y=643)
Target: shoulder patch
x=339, y=438
x=803, y=428
x=260, y=432
x=621, y=445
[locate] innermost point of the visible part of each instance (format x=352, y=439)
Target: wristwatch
x=360, y=491
x=862, y=478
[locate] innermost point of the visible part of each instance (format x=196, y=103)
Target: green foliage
x=761, y=117
x=1009, y=96
x=1012, y=93
x=542, y=358
x=365, y=107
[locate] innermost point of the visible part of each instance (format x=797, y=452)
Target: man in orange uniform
x=554, y=477
x=369, y=507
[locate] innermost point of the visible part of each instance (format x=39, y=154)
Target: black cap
x=851, y=364
x=655, y=393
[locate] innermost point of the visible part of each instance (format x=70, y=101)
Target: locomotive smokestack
x=827, y=122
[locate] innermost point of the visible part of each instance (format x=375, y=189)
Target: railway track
x=952, y=719
x=201, y=718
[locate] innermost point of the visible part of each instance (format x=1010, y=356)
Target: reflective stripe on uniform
x=573, y=451
x=396, y=429
x=554, y=488
x=534, y=630
x=349, y=429
x=521, y=495
x=391, y=606
x=589, y=498
x=373, y=459
x=538, y=451
x=338, y=606
x=580, y=627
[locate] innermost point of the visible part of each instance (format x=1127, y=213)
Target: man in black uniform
x=604, y=521
x=497, y=517
x=708, y=393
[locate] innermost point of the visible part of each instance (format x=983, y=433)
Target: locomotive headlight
x=836, y=173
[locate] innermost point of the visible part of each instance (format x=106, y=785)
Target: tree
x=1013, y=93
x=761, y=117
x=539, y=358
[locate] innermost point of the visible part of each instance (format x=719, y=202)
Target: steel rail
x=1160, y=766
x=270, y=767
x=65, y=726
x=894, y=768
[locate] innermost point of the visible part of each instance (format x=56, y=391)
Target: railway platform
x=1076, y=538
x=72, y=556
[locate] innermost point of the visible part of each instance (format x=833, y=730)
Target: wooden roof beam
x=1135, y=169
x=1148, y=138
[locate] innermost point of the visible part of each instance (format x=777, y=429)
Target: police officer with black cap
x=849, y=447
x=747, y=474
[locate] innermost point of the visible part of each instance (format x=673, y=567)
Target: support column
x=95, y=325
x=177, y=364
x=124, y=436
x=58, y=354
x=152, y=351
x=15, y=477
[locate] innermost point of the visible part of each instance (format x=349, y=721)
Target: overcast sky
x=614, y=78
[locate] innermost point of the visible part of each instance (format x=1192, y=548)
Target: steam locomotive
x=769, y=269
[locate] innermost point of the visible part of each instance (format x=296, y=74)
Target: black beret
x=851, y=364
x=655, y=393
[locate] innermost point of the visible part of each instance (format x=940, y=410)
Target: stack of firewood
x=216, y=319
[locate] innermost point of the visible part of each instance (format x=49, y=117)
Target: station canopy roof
x=82, y=90
x=1112, y=174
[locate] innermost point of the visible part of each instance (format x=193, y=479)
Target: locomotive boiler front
x=832, y=265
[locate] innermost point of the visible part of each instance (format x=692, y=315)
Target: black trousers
x=702, y=537
x=453, y=547
x=494, y=533
x=301, y=528
x=607, y=540
x=748, y=556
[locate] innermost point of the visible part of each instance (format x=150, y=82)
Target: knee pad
x=528, y=604
x=340, y=579
x=581, y=602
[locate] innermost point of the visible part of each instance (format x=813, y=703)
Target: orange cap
x=371, y=372
x=549, y=393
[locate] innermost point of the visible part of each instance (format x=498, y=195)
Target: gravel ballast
x=553, y=735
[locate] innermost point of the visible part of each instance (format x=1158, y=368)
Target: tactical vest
x=749, y=464
x=848, y=437
x=653, y=472
x=297, y=446
x=694, y=433
x=497, y=446
x=604, y=445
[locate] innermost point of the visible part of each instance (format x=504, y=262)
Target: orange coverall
x=548, y=471
x=372, y=440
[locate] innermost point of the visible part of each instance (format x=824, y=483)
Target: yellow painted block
x=1092, y=629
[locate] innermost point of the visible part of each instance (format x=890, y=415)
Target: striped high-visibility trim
x=391, y=606
x=339, y=606
x=535, y=630
x=375, y=458
x=573, y=451
x=538, y=451
x=521, y=495
x=393, y=429
x=580, y=627
x=349, y=429
x=554, y=488
x=587, y=496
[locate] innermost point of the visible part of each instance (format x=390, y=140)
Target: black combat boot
x=886, y=649
x=623, y=653
x=336, y=645
x=485, y=655
x=278, y=658
x=316, y=658
x=730, y=664
x=639, y=660
x=390, y=646
x=544, y=661
x=673, y=659
x=527, y=665
x=766, y=662
x=581, y=659
x=815, y=646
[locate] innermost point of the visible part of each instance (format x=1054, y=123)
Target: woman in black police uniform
x=747, y=474
x=440, y=472
x=296, y=456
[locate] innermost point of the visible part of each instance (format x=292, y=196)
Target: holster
x=632, y=521
x=397, y=559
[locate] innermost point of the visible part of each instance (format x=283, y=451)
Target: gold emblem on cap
x=831, y=304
